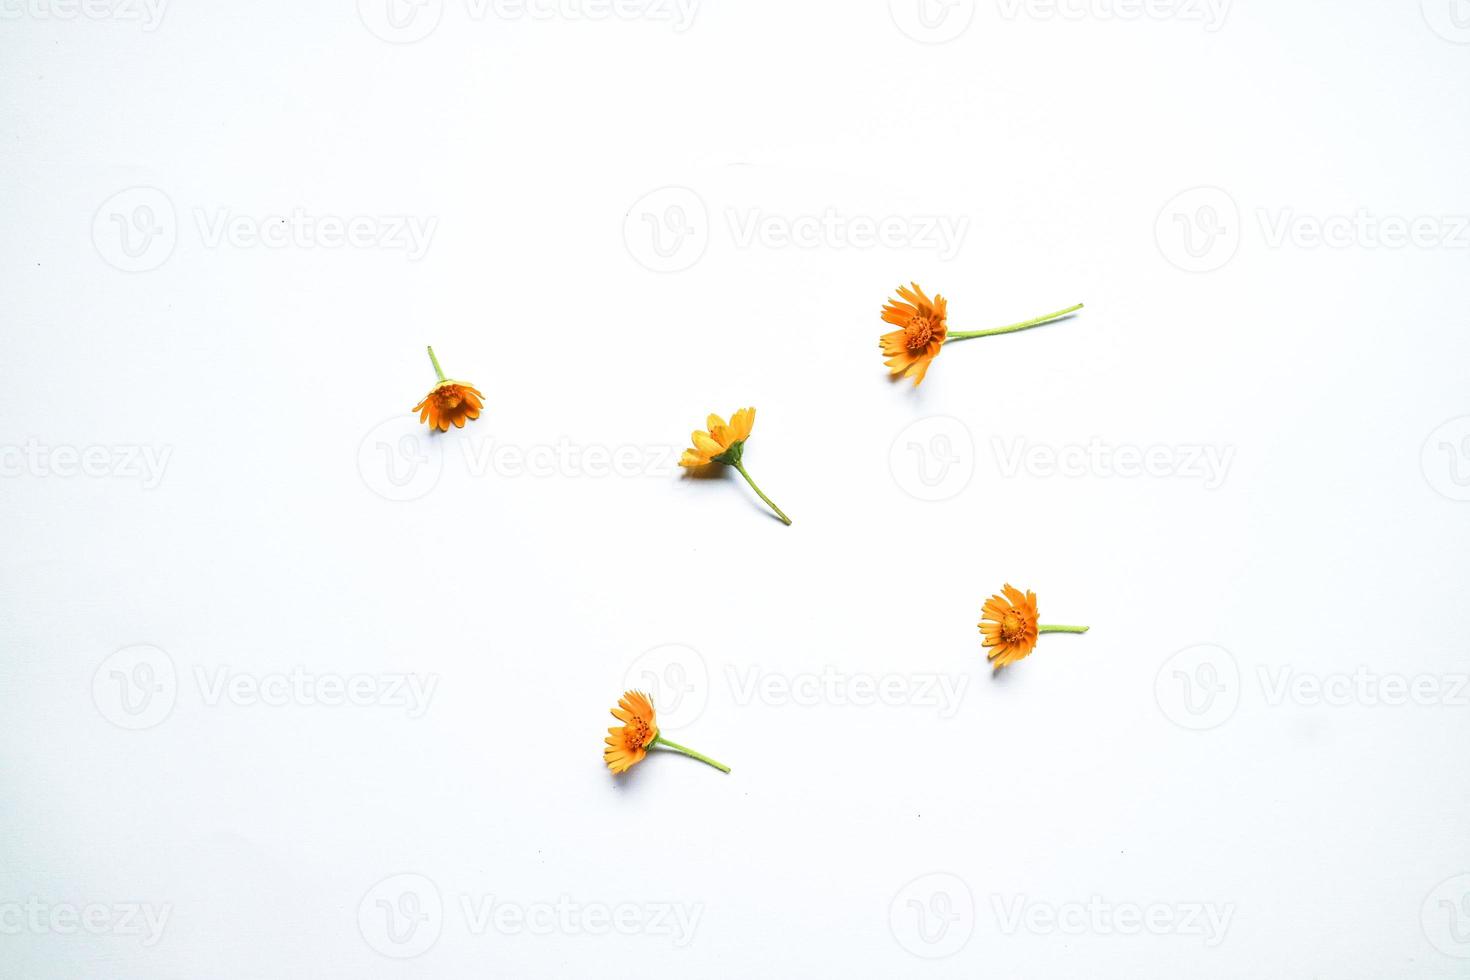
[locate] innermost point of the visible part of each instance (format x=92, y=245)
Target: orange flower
x=451, y=402
x=628, y=743
x=726, y=444
x=1010, y=626
x=923, y=329
x=710, y=446
x=921, y=332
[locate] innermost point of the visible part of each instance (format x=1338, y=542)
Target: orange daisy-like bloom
x=628, y=743
x=1011, y=628
x=921, y=332
x=1009, y=625
x=450, y=403
x=725, y=443
x=720, y=439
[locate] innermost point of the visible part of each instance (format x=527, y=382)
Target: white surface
x=1329, y=829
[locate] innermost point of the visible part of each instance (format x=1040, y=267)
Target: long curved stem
x=437, y=369
x=769, y=502
x=1062, y=629
x=1023, y=325
x=660, y=740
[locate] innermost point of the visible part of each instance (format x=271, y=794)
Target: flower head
x=723, y=442
x=451, y=402
x=628, y=743
x=921, y=332
x=1010, y=626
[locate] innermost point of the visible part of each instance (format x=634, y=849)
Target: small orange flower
x=451, y=402
x=628, y=743
x=1010, y=626
x=922, y=331
x=720, y=439
x=726, y=444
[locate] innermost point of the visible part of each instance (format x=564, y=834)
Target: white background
x=269, y=384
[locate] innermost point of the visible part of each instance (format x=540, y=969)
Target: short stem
x=769, y=502
x=1023, y=325
x=437, y=369
x=660, y=740
x=1061, y=629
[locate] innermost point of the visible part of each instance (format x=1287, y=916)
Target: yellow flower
x=627, y=744
x=725, y=443
x=720, y=439
x=1010, y=626
x=450, y=402
x=923, y=328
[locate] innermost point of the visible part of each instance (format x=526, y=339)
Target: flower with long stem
x=923, y=329
x=1010, y=626
x=450, y=402
x=627, y=744
x=725, y=443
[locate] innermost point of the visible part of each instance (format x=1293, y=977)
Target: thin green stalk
x=437, y=369
x=1061, y=629
x=1023, y=325
x=769, y=502
x=660, y=740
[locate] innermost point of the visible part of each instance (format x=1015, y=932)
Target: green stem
x=1023, y=325
x=660, y=740
x=1061, y=629
x=769, y=502
x=437, y=369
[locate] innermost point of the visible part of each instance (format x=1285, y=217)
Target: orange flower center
x=637, y=733
x=1012, y=628
x=449, y=398
x=918, y=333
